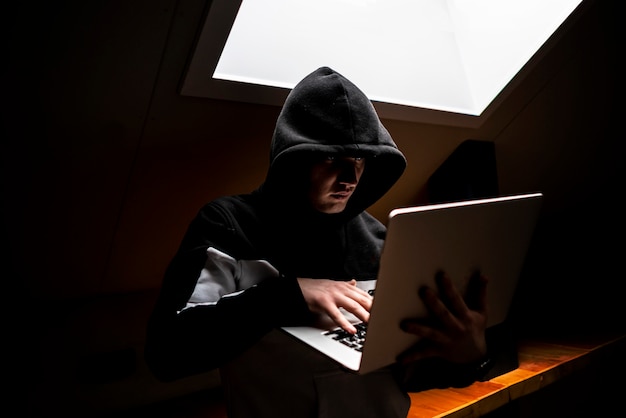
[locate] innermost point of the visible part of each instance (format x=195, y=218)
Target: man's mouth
x=341, y=195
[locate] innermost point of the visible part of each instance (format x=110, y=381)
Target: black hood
x=326, y=114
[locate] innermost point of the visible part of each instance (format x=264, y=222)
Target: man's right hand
x=327, y=296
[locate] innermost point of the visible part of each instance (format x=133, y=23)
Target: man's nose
x=348, y=172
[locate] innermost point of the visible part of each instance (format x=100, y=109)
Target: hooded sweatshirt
x=233, y=281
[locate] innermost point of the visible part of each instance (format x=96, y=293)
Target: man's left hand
x=455, y=330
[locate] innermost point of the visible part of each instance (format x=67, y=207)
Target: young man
x=293, y=248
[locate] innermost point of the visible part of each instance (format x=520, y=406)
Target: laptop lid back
x=488, y=235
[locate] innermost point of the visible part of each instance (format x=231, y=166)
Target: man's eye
x=330, y=158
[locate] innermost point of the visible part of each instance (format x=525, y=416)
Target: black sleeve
x=181, y=343
x=205, y=337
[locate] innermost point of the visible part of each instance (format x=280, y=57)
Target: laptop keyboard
x=354, y=341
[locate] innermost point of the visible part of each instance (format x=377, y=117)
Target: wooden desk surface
x=540, y=364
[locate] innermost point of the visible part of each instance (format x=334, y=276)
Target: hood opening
x=326, y=114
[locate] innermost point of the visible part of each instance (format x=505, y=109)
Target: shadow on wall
x=571, y=283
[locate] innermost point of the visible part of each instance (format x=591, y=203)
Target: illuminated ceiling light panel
x=453, y=56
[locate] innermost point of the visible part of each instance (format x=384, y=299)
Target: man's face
x=333, y=180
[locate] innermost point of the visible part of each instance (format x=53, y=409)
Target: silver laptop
x=490, y=235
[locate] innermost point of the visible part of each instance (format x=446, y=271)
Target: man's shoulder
x=365, y=222
x=370, y=219
x=234, y=202
x=236, y=208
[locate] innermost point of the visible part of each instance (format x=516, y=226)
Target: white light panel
x=453, y=56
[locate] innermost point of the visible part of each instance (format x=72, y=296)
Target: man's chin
x=332, y=208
